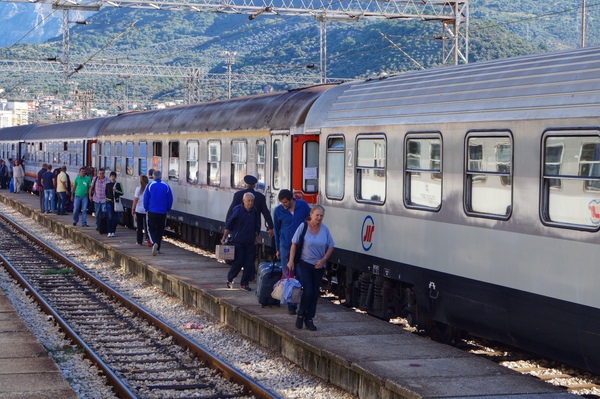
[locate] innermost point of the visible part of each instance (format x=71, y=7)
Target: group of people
x=12, y=175
x=54, y=187
x=293, y=221
x=152, y=200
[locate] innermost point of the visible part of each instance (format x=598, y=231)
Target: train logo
x=368, y=228
x=594, y=207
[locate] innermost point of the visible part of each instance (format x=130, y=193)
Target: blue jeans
x=99, y=209
x=284, y=253
x=311, y=288
x=49, y=202
x=80, y=205
x=62, y=202
x=112, y=216
x=244, y=258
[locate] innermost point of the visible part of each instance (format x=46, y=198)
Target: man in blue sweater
x=244, y=226
x=158, y=200
x=286, y=218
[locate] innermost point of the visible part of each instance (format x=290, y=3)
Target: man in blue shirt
x=244, y=226
x=286, y=218
x=158, y=200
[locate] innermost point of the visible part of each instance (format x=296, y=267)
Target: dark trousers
x=244, y=258
x=41, y=195
x=311, y=288
x=112, y=216
x=156, y=227
x=140, y=220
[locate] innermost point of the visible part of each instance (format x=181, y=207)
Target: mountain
x=273, y=45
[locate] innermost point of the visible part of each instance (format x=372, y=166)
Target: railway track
x=141, y=356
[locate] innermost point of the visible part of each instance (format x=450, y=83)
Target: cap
x=249, y=179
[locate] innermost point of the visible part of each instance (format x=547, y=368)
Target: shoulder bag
x=118, y=206
x=298, y=254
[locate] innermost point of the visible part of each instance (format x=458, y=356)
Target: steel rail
x=228, y=371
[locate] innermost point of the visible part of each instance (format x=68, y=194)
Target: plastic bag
x=289, y=285
x=296, y=295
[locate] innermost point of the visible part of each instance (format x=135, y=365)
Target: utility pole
x=229, y=61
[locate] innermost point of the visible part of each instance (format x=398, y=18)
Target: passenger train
x=464, y=198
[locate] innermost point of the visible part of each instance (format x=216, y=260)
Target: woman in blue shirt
x=316, y=249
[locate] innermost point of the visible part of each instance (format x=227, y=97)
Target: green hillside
x=280, y=45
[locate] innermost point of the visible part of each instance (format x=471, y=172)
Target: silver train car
x=464, y=198
x=467, y=198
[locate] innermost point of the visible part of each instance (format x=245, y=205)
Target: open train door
x=281, y=150
x=305, y=167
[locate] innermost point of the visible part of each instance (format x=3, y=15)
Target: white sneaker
x=154, y=249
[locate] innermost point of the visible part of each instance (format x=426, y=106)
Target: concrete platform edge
x=324, y=364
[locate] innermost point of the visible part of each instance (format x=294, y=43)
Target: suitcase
x=267, y=275
x=103, y=224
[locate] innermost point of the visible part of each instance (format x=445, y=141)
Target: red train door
x=305, y=167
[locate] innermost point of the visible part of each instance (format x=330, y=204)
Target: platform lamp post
x=125, y=94
x=229, y=61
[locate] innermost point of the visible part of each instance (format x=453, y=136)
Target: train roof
x=15, y=132
x=272, y=111
x=549, y=85
x=83, y=129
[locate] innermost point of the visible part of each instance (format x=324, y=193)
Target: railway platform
x=360, y=354
x=26, y=370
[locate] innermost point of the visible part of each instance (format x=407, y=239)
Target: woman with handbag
x=316, y=247
x=138, y=211
x=113, y=191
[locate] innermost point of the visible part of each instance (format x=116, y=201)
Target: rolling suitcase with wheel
x=267, y=275
x=103, y=224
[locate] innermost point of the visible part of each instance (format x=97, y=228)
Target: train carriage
x=469, y=198
x=70, y=144
x=12, y=145
x=205, y=150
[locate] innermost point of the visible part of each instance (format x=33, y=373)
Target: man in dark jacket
x=158, y=200
x=3, y=174
x=260, y=202
x=244, y=226
x=41, y=187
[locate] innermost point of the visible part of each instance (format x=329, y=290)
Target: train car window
x=571, y=179
x=157, y=155
x=371, y=169
x=310, y=167
x=488, y=188
x=129, y=158
x=142, y=154
x=423, y=171
x=553, y=160
x=261, y=161
x=192, y=169
x=334, y=167
x=213, y=173
x=118, y=156
x=94, y=154
x=106, y=153
x=174, y=160
x=239, y=150
x=276, y=171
